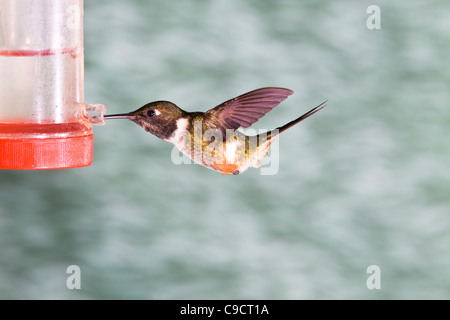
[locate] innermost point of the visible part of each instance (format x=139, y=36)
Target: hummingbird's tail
x=301, y=118
x=267, y=138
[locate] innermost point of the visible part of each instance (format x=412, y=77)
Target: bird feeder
x=44, y=123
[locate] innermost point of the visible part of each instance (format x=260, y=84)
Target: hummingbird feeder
x=44, y=123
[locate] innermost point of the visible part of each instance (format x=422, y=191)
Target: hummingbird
x=211, y=138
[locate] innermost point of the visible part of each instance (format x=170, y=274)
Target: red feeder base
x=49, y=153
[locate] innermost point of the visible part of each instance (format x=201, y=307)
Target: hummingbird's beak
x=119, y=116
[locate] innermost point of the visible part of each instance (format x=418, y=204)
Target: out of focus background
x=363, y=182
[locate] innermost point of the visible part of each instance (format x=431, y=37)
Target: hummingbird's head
x=159, y=118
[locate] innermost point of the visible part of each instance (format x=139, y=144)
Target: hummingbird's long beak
x=119, y=116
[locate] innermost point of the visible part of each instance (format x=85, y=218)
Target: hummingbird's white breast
x=179, y=136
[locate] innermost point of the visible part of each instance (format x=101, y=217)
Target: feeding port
x=44, y=123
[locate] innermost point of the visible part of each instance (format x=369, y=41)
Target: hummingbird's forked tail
x=301, y=118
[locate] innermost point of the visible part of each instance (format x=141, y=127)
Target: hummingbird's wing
x=245, y=109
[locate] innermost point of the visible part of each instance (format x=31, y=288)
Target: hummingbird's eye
x=151, y=113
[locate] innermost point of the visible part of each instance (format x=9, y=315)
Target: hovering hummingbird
x=211, y=138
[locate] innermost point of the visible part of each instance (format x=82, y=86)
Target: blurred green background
x=363, y=182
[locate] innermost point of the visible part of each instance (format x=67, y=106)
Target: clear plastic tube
x=42, y=86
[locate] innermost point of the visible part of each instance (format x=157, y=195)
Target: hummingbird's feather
x=245, y=109
x=302, y=117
